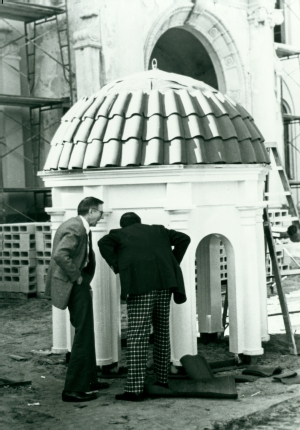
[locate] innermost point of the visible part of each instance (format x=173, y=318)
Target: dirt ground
x=26, y=327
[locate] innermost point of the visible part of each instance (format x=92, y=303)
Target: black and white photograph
x=149, y=214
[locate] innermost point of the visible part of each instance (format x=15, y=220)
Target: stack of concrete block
x=279, y=218
x=18, y=258
x=223, y=262
x=43, y=251
x=285, y=262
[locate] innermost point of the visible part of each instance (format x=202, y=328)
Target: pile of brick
x=280, y=218
x=25, y=251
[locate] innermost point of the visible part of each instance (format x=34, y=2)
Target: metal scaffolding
x=34, y=16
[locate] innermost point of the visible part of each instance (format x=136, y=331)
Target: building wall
x=290, y=72
x=114, y=38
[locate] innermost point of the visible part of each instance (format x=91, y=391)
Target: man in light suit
x=149, y=273
x=70, y=272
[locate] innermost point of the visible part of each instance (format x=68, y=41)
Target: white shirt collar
x=86, y=224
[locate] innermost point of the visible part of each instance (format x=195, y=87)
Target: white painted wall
x=200, y=201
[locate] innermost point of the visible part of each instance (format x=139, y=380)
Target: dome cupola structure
x=181, y=154
x=155, y=118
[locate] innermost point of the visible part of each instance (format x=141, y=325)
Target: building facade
x=246, y=49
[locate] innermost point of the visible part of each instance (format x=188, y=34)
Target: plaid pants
x=143, y=309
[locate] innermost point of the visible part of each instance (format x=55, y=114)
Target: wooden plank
x=281, y=295
x=27, y=12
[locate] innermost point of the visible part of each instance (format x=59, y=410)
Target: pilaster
x=87, y=47
x=209, y=285
x=251, y=294
x=106, y=303
x=183, y=330
x=61, y=338
x=261, y=267
x=11, y=133
x=261, y=17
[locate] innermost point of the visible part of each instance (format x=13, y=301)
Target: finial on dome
x=154, y=64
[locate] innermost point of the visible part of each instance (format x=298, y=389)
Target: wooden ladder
x=271, y=244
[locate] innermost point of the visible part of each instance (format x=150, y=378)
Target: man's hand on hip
x=79, y=280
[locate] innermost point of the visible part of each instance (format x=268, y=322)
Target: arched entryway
x=211, y=37
x=215, y=268
x=179, y=51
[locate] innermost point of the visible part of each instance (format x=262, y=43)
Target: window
x=279, y=30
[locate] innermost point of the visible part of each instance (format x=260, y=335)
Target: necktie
x=89, y=247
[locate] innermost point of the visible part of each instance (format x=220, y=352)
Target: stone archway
x=213, y=35
x=179, y=51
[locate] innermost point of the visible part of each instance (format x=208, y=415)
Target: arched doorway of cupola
x=215, y=275
x=179, y=51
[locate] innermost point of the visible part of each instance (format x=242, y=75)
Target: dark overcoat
x=144, y=257
x=69, y=256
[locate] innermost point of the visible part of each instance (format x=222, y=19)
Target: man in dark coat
x=70, y=272
x=149, y=273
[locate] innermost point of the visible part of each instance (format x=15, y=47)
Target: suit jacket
x=67, y=261
x=143, y=256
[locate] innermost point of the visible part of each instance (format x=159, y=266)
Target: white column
x=209, y=285
x=59, y=317
x=87, y=48
x=106, y=303
x=261, y=267
x=250, y=282
x=261, y=59
x=183, y=331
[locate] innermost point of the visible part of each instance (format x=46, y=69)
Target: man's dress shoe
x=130, y=397
x=77, y=396
x=99, y=386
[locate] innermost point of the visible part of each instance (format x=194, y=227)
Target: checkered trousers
x=143, y=309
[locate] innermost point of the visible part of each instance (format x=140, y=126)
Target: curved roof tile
x=155, y=118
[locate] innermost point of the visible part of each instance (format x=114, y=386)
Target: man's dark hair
x=88, y=203
x=129, y=218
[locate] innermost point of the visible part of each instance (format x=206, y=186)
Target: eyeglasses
x=100, y=212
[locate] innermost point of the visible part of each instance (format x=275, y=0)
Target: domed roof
x=155, y=118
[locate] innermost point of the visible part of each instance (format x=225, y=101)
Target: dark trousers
x=82, y=369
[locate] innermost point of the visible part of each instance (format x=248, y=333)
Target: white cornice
x=154, y=175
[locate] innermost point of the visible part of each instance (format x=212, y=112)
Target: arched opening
x=215, y=265
x=179, y=51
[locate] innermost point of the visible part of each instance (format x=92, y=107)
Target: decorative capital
x=265, y=16
x=89, y=36
x=250, y=214
x=57, y=214
x=7, y=47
